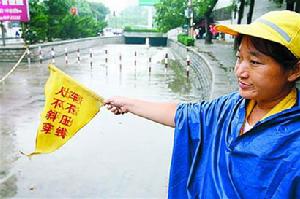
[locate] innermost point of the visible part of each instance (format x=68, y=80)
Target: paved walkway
x=221, y=58
x=12, y=42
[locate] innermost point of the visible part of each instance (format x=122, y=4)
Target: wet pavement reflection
x=111, y=157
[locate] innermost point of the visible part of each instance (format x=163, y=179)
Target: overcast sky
x=117, y=5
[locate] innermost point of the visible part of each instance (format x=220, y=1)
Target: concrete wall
x=12, y=54
x=198, y=63
x=144, y=34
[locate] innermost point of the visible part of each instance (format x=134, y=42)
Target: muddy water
x=113, y=156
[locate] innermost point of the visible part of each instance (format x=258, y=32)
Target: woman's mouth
x=244, y=85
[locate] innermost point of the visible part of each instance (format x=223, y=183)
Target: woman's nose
x=241, y=69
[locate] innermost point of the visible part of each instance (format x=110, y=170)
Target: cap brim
x=227, y=29
x=254, y=29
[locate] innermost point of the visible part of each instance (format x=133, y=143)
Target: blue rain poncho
x=211, y=160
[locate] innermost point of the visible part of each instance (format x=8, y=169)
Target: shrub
x=130, y=29
x=185, y=40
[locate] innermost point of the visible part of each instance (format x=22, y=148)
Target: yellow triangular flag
x=68, y=107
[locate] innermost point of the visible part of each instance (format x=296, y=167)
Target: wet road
x=113, y=156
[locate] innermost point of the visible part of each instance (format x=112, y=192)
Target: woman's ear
x=295, y=73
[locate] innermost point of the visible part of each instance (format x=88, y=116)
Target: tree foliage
x=75, y=27
x=203, y=9
x=99, y=10
x=39, y=20
x=57, y=10
x=52, y=19
x=170, y=14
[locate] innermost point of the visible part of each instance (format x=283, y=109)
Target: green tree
x=203, y=9
x=39, y=20
x=170, y=14
x=71, y=28
x=52, y=19
x=57, y=10
x=99, y=10
x=84, y=8
x=91, y=24
x=80, y=26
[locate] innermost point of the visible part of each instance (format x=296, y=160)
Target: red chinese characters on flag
x=58, y=103
x=47, y=128
x=72, y=109
x=64, y=106
x=62, y=132
x=66, y=120
x=51, y=115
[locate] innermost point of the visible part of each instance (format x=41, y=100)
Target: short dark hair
x=278, y=52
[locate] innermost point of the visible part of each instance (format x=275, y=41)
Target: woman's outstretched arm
x=161, y=112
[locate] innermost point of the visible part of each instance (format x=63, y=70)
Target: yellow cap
x=279, y=26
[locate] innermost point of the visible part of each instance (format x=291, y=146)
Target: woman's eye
x=254, y=62
x=238, y=59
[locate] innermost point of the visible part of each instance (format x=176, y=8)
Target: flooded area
x=112, y=156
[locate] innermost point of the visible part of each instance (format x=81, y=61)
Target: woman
x=245, y=144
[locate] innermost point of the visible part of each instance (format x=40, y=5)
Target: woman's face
x=259, y=76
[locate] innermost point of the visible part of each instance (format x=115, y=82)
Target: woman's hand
x=117, y=105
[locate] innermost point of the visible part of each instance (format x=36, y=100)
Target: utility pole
x=3, y=33
x=150, y=16
x=191, y=16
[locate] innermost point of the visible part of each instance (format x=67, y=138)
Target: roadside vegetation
x=63, y=19
x=171, y=14
x=130, y=29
